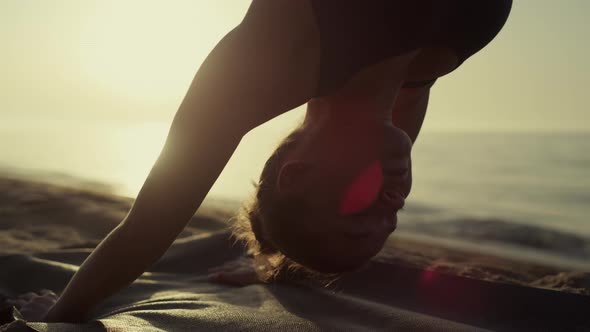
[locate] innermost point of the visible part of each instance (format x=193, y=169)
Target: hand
x=239, y=272
x=35, y=306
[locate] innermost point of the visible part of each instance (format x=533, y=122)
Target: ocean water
x=538, y=179
x=520, y=190
x=529, y=190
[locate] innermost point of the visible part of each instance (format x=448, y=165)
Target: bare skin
x=32, y=305
x=252, y=75
x=407, y=113
x=352, y=168
x=266, y=66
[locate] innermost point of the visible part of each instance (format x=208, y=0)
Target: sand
x=417, y=283
x=37, y=217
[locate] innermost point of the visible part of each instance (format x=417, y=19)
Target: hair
x=267, y=218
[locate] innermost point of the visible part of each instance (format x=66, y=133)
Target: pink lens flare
x=364, y=189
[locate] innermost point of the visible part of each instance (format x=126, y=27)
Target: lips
x=388, y=202
x=380, y=217
x=392, y=200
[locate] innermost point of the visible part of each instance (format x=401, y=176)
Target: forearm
x=408, y=114
x=410, y=109
x=259, y=70
x=200, y=142
x=246, y=80
x=116, y=262
x=168, y=199
x=175, y=188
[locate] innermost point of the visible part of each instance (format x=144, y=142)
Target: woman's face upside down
x=353, y=180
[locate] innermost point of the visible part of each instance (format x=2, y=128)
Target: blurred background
x=88, y=90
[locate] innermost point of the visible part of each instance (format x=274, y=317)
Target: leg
x=266, y=66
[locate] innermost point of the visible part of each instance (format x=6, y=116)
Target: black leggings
x=359, y=33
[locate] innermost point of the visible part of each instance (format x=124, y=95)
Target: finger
x=220, y=277
x=223, y=278
x=220, y=269
x=230, y=265
x=19, y=302
x=247, y=260
x=213, y=277
x=225, y=267
x=27, y=296
x=47, y=292
x=51, y=297
x=234, y=262
x=45, y=301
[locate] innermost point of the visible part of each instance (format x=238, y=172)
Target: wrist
x=57, y=314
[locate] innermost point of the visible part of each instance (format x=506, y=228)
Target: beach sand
x=37, y=217
x=416, y=283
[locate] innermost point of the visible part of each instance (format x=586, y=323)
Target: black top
x=356, y=34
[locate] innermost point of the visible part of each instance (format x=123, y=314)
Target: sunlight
x=143, y=58
x=364, y=190
x=137, y=149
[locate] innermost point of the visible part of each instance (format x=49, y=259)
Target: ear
x=292, y=177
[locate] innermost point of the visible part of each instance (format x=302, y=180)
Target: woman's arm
x=410, y=108
x=262, y=68
x=408, y=114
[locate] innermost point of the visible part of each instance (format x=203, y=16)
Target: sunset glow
x=92, y=69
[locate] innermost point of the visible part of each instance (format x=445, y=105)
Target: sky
x=118, y=70
x=133, y=60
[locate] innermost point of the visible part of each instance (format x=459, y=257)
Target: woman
x=328, y=195
x=352, y=152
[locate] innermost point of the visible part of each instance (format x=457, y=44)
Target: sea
x=522, y=192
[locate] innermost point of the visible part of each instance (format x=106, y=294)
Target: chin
x=343, y=260
x=351, y=264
